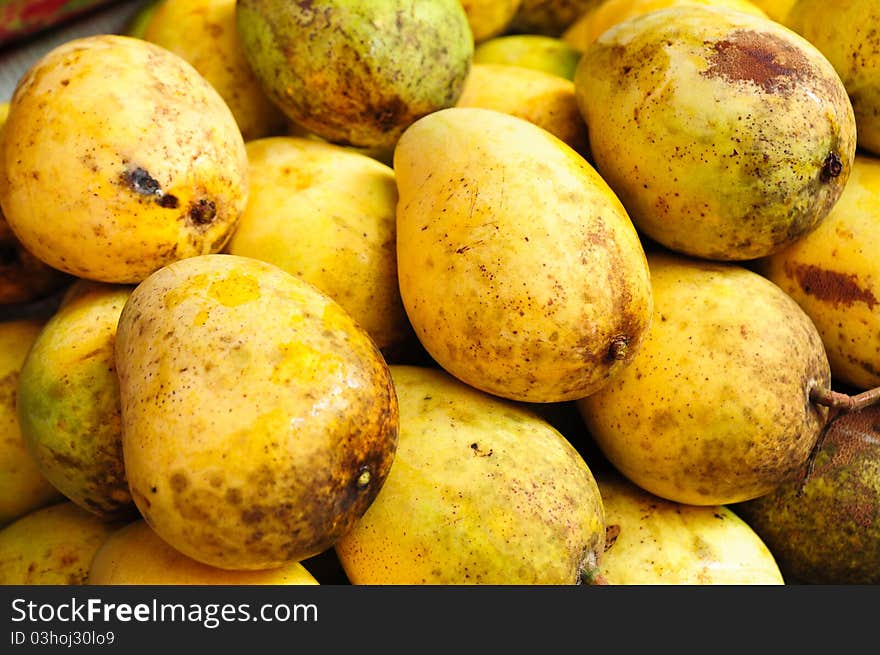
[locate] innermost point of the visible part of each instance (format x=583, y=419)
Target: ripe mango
x=725, y=135
x=259, y=420
x=519, y=269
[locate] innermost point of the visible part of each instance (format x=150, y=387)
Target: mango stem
x=844, y=402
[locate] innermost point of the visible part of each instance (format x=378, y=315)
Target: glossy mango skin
x=834, y=276
x=482, y=491
x=259, y=420
x=136, y=555
x=327, y=214
x=652, y=541
x=715, y=408
x=204, y=33
x=520, y=271
x=53, y=545
x=848, y=34
x=109, y=182
x=544, y=53
x=68, y=400
x=320, y=61
x=23, y=487
x=725, y=135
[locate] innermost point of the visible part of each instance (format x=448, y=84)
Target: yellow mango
x=653, y=541
x=482, y=491
x=109, y=182
x=834, y=275
x=724, y=134
x=259, y=419
x=136, y=555
x=519, y=269
x=327, y=214
x=539, y=97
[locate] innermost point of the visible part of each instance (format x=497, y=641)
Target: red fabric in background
x=21, y=18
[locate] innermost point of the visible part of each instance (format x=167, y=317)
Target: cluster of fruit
x=446, y=292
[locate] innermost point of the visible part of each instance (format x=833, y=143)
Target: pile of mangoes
x=445, y=292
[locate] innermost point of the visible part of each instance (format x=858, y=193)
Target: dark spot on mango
x=179, y=482
x=830, y=286
x=831, y=167
x=202, y=212
x=168, y=201
x=761, y=58
x=140, y=181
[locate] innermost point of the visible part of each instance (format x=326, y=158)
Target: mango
x=68, y=400
x=259, y=420
x=519, y=269
x=717, y=405
x=482, y=491
x=725, y=135
x=109, y=182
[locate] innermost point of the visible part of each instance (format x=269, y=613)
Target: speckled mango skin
x=110, y=181
x=715, y=408
x=327, y=214
x=542, y=98
x=23, y=488
x=652, y=541
x=68, y=400
x=598, y=18
x=136, y=555
x=725, y=135
x=259, y=420
x=519, y=269
x=321, y=62
x=52, y=545
x=548, y=17
x=834, y=275
x=482, y=491
x=830, y=533
x=205, y=33
x=537, y=51
x=848, y=34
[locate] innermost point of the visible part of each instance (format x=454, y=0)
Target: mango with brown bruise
x=824, y=527
x=110, y=181
x=834, y=275
x=23, y=488
x=725, y=135
x=205, y=34
x=259, y=420
x=716, y=406
x=357, y=72
x=136, y=555
x=53, y=545
x=482, y=491
x=653, y=541
x=848, y=34
x=68, y=400
x=519, y=269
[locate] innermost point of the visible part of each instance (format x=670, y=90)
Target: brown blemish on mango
x=761, y=58
x=830, y=286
